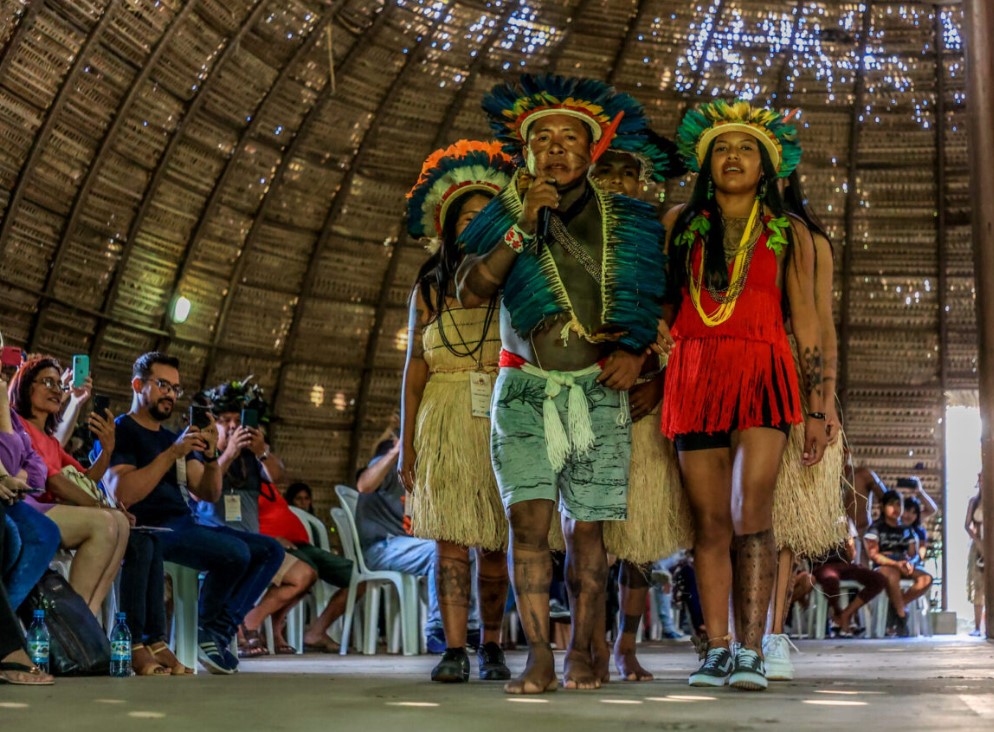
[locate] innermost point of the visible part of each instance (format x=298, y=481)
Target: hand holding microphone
x=540, y=200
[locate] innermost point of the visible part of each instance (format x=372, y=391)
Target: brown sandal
x=165, y=657
x=144, y=664
x=253, y=647
x=32, y=675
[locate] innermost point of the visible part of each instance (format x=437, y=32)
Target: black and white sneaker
x=715, y=669
x=748, y=672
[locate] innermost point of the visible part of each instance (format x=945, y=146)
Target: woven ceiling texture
x=253, y=155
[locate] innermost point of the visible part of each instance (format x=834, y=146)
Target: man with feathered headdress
x=581, y=276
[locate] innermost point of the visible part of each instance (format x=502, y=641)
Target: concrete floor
x=924, y=684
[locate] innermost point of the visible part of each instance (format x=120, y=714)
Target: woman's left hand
x=104, y=429
x=815, y=441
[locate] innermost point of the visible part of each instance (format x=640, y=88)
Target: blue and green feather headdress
x=657, y=156
x=701, y=126
x=513, y=108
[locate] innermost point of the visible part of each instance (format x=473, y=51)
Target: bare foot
x=539, y=676
x=578, y=672
x=600, y=660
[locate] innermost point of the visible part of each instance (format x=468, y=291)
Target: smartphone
x=250, y=418
x=11, y=356
x=101, y=404
x=200, y=417
x=80, y=370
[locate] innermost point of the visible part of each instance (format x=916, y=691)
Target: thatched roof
x=158, y=148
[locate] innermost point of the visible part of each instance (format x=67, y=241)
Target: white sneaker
x=776, y=652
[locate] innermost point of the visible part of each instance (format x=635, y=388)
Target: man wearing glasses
x=145, y=476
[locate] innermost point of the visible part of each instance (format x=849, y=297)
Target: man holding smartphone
x=145, y=477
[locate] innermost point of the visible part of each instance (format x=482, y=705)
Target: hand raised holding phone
x=189, y=440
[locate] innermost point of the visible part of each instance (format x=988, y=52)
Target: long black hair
x=435, y=278
x=797, y=203
x=715, y=266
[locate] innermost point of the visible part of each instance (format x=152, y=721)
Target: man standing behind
x=577, y=314
x=144, y=478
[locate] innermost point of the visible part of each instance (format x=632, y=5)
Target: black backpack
x=78, y=645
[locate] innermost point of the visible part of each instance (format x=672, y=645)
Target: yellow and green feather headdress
x=701, y=126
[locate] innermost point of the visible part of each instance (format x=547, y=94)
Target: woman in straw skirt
x=451, y=358
x=809, y=517
x=658, y=514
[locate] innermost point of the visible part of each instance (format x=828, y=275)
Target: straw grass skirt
x=455, y=497
x=659, y=521
x=809, y=517
x=974, y=577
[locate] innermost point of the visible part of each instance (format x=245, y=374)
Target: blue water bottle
x=120, y=649
x=39, y=641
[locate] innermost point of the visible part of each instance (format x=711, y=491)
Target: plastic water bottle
x=39, y=641
x=120, y=648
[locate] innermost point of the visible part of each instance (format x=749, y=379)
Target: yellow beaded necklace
x=739, y=270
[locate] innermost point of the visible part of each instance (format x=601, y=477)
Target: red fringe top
x=718, y=379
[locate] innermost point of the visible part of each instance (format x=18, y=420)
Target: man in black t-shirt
x=891, y=547
x=145, y=478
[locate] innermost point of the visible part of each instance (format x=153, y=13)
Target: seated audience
x=31, y=540
x=278, y=521
x=386, y=544
x=300, y=495
x=662, y=586
x=891, y=547
x=98, y=534
x=142, y=579
x=833, y=567
x=15, y=664
x=912, y=518
x=247, y=464
x=145, y=478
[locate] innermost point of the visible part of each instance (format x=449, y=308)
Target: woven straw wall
x=158, y=148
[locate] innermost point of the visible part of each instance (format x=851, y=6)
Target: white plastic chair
x=186, y=594
x=919, y=622
x=819, y=608
x=405, y=615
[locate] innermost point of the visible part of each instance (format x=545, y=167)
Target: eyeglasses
x=163, y=385
x=52, y=384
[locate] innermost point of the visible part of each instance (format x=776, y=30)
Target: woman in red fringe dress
x=732, y=392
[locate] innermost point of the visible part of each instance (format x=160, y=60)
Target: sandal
x=253, y=646
x=36, y=677
x=168, y=659
x=143, y=662
x=325, y=646
x=285, y=649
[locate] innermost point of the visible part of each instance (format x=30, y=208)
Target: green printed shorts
x=591, y=486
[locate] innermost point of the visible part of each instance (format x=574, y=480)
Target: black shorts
x=689, y=441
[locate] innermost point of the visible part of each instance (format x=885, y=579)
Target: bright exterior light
x=181, y=310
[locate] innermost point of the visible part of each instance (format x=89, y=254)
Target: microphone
x=542, y=229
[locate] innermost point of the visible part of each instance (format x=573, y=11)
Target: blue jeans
x=30, y=544
x=417, y=556
x=239, y=568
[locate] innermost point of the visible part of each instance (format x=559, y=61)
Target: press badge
x=232, y=507
x=480, y=391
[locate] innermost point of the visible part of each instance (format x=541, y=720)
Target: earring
x=762, y=190
x=710, y=189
